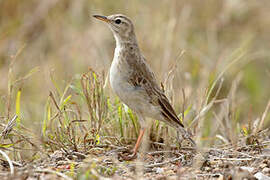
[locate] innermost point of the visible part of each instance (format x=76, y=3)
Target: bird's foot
x=127, y=156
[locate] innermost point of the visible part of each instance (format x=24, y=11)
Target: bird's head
x=120, y=25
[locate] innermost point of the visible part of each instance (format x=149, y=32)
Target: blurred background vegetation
x=47, y=45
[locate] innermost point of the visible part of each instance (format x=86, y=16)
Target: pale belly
x=134, y=97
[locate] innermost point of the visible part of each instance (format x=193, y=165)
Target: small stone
x=57, y=156
x=161, y=177
x=159, y=170
x=207, y=168
x=261, y=176
x=221, y=177
x=62, y=162
x=263, y=165
x=170, y=172
x=212, y=163
x=249, y=169
x=266, y=170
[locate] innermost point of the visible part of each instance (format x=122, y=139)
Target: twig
x=13, y=162
x=245, y=154
x=233, y=159
x=53, y=172
x=265, y=142
x=160, y=152
x=9, y=162
x=79, y=155
x=209, y=175
x=163, y=163
x=172, y=146
x=120, y=149
x=264, y=155
x=16, y=164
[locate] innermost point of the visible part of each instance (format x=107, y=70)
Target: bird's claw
x=128, y=157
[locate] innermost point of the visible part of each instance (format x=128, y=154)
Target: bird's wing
x=143, y=77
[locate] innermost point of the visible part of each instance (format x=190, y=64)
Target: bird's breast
x=119, y=74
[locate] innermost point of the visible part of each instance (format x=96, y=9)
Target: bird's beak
x=102, y=18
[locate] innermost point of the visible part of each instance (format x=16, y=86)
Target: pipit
x=134, y=82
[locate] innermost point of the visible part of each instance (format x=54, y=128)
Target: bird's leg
x=135, y=150
x=142, y=130
x=139, y=140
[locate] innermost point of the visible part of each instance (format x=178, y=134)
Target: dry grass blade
x=9, y=161
x=54, y=102
x=261, y=122
x=92, y=87
x=9, y=127
x=239, y=55
x=207, y=107
x=164, y=163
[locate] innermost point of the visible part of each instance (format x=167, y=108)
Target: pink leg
x=138, y=143
x=139, y=140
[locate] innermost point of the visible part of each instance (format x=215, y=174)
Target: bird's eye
x=117, y=21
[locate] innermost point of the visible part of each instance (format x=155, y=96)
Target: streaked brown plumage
x=134, y=82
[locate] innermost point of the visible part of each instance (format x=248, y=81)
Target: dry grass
x=59, y=118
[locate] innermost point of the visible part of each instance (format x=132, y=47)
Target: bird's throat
x=122, y=41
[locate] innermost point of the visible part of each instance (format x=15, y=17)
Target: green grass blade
x=55, y=85
x=134, y=122
x=18, y=107
x=120, y=119
x=65, y=101
x=6, y=145
x=64, y=94
x=47, y=117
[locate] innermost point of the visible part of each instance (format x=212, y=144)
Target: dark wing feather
x=167, y=110
x=143, y=76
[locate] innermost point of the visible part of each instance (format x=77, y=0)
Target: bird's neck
x=125, y=42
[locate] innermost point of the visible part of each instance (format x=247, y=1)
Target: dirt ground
x=239, y=161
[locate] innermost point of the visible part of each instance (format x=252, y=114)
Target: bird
x=133, y=81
